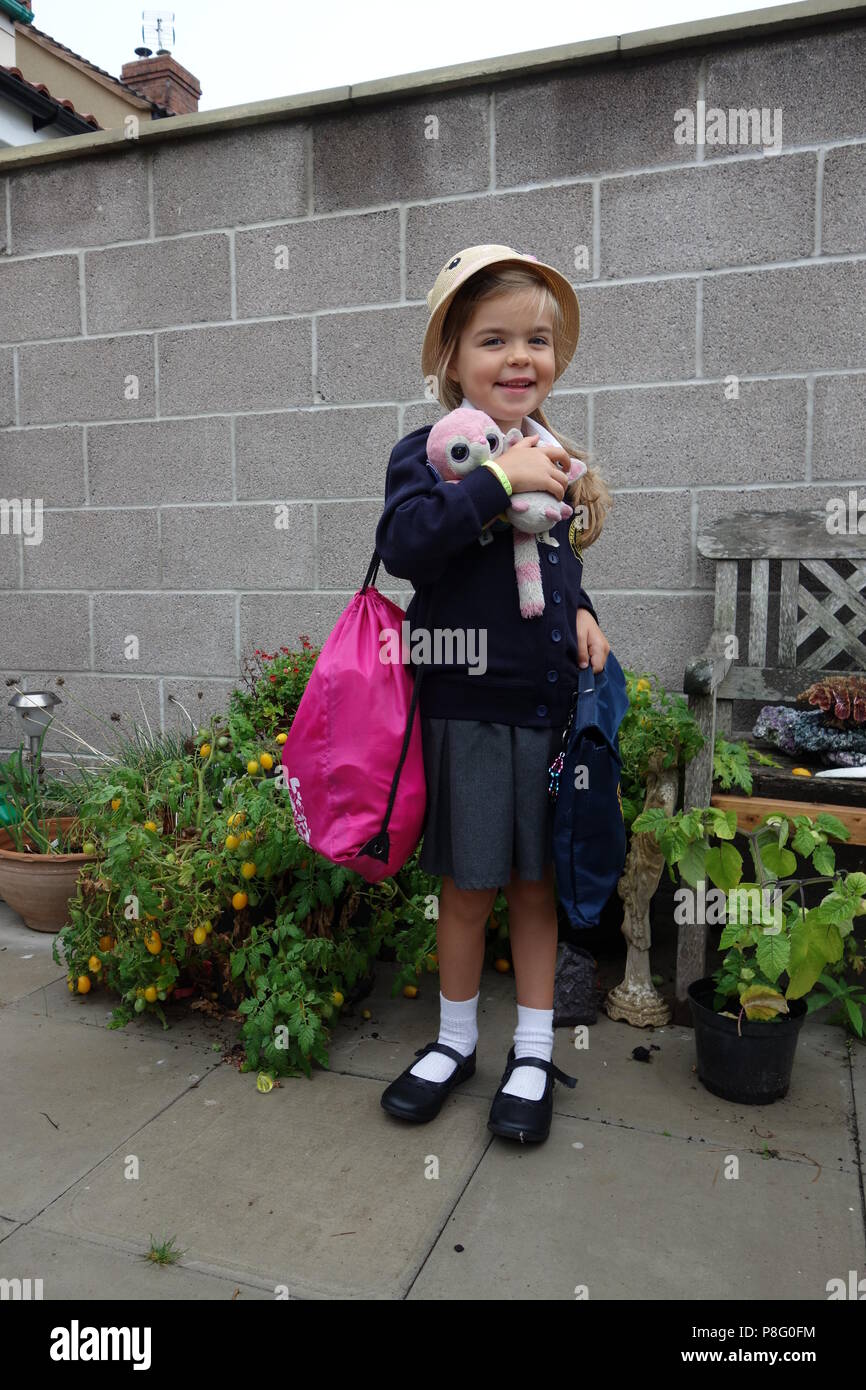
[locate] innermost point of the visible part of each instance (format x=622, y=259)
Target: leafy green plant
x=776, y=948
x=31, y=807
x=731, y=764
x=654, y=720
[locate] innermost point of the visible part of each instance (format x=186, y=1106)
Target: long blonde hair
x=589, y=492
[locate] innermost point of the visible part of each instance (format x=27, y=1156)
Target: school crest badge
x=574, y=532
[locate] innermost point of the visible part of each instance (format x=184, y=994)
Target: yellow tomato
x=252, y=767
x=204, y=751
x=150, y=994
x=239, y=901
x=337, y=998
x=153, y=942
x=208, y=926
x=106, y=943
x=800, y=772
x=238, y=818
x=116, y=803
x=281, y=738
x=248, y=870
x=94, y=964
x=643, y=685
x=232, y=841
x=83, y=984
x=199, y=936
x=410, y=991
x=150, y=825
x=266, y=761
x=502, y=965
x=71, y=983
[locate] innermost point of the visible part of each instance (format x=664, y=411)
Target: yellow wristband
x=500, y=473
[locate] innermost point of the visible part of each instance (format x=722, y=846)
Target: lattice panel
x=843, y=637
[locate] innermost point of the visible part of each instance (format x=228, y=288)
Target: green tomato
x=140, y=1005
x=223, y=741
x=161, y=994
x=170, y=857
x=88, y=847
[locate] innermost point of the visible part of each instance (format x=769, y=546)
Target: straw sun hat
x=473, y=258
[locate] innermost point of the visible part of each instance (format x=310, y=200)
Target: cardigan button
x=541, y=711
x=556, y=596
x=553, y=676
x=555, y=635
x=553, y=557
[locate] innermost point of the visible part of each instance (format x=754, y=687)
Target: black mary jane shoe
x=526, y=1120
x=414, y=1097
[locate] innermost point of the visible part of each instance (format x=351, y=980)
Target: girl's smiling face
x=507, y=339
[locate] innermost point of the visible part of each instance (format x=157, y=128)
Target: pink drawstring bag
x=353, y=759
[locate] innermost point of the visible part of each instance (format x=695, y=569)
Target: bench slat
x=758, y=612
x=778, y=536
x=772, y=683
x=752, y=809
x=789, y=591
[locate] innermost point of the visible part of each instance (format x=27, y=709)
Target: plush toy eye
x=495, y=440
x=458, y=453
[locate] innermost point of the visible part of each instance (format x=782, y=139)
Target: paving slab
x=312, y=1186
x=74, y=1268
x=26, y=962
x=69, y=1095
x=625, y=1214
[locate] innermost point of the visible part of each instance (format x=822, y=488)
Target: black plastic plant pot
x=753, y=1068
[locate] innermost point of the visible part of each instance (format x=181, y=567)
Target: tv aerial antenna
x=157, y=30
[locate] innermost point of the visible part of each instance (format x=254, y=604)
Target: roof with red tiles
x=41, y=88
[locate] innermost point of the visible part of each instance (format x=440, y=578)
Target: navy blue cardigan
x=429, y=533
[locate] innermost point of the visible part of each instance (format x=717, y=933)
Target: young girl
x=503, y=327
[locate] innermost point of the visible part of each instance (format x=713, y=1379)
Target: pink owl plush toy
x=466, y=438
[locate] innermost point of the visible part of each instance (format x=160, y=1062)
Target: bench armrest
x=706, y=673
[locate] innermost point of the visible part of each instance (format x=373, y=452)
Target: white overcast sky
x=274, y=48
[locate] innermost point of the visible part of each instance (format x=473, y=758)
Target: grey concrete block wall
x=203, y=334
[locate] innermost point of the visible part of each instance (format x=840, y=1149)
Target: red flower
x=273, y=678
x=295, y=669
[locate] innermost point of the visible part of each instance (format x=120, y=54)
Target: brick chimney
x=159, y=77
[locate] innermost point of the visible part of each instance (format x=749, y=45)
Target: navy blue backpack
x=589, y=838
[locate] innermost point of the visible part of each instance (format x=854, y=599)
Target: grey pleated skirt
x=488, y=811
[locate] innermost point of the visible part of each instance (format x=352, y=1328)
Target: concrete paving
x=111, y=1137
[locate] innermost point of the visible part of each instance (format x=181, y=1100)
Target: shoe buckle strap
x=452, y=1052
x=550, y=1067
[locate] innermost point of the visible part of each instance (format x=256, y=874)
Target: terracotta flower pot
x=38, y=886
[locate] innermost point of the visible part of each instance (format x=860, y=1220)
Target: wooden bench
x=821, y=575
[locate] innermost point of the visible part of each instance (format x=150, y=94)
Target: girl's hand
x=592, y=645
x=531, y=466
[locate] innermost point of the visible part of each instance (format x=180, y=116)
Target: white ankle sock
x=533, y=1037
x=457, y=1029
